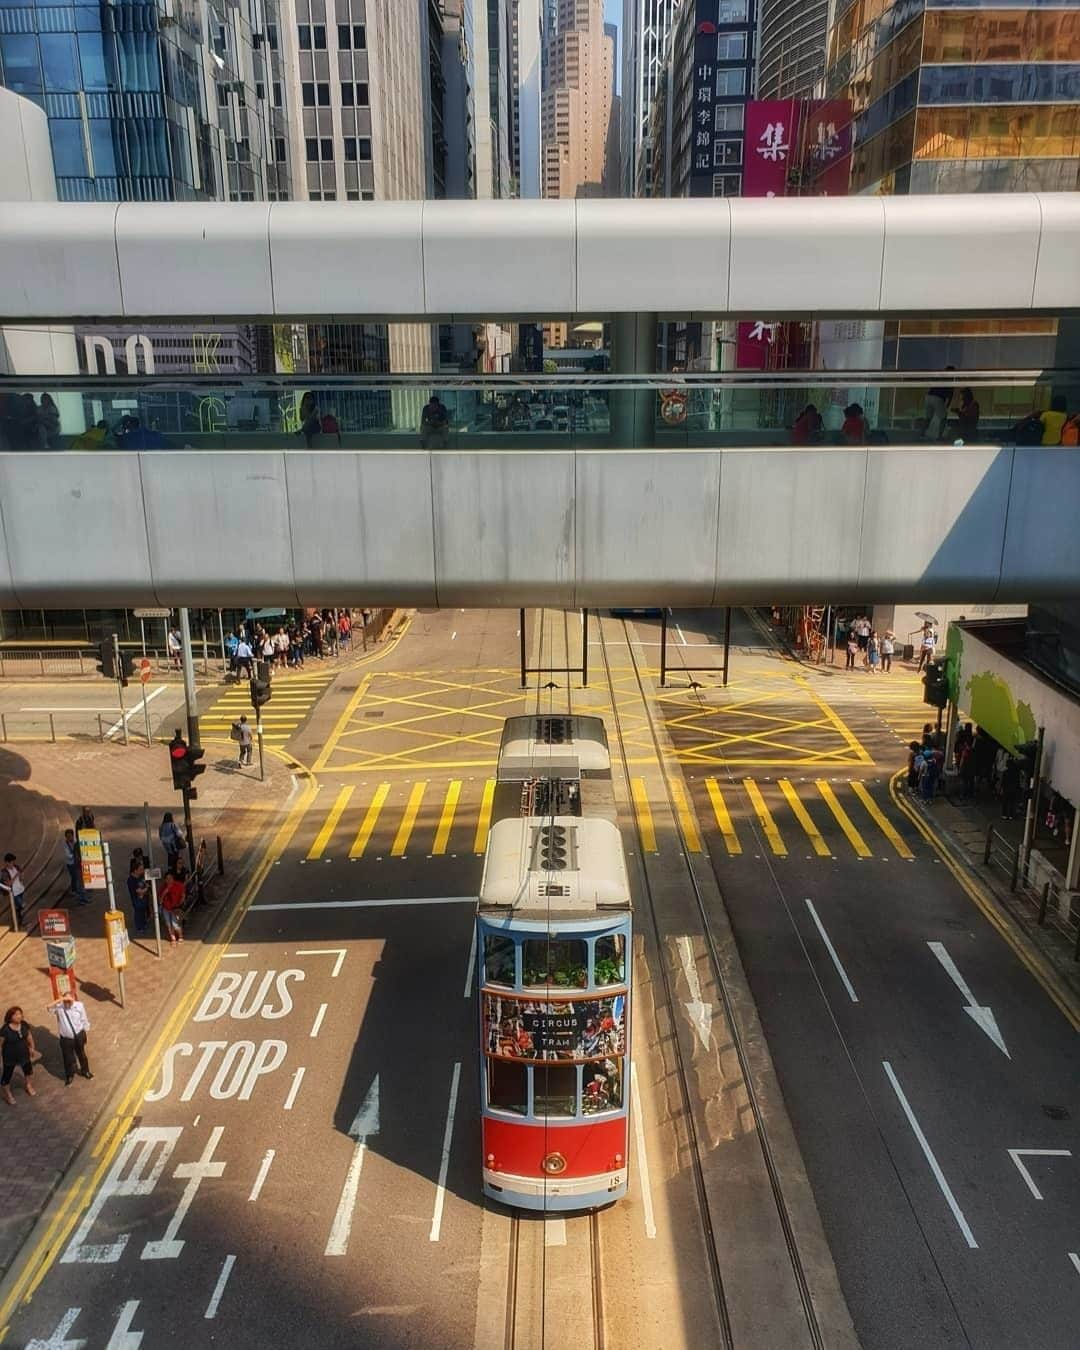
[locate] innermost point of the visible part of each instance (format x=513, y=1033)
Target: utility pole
x=189, y=678
x=118, y=671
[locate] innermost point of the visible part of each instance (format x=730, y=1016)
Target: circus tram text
x=553, y=941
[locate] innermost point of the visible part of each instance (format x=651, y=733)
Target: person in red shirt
x=171, y=901
x=854, y=428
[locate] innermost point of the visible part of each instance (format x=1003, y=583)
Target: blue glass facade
x=149, y=106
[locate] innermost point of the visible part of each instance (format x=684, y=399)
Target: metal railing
x=26, y=662
x=54, y=727
x=1054, y=904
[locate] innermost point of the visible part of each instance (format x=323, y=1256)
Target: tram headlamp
x=618, y=1159
x=553, y=1164
x=490, y=1160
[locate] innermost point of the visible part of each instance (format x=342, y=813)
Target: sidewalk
x=41, y=791
x=960, y=826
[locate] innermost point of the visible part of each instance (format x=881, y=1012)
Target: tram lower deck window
x=555, y=1090
x=507, y=1086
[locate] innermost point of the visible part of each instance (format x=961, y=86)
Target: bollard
x=100, y=730
x=3, y=727
x=220, y=858
x=1043, y=903
x=989, y=842
x=52, y=728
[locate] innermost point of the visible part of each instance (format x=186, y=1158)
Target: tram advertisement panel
x=555, y=1029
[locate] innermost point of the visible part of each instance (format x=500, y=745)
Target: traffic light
x=936, y=684
x=260, y=685
x=184, y=760
x=110, y=662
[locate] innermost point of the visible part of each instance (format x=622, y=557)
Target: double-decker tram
x=553, y=942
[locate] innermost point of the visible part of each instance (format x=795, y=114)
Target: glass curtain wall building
x=959, y=97
x=149, y=105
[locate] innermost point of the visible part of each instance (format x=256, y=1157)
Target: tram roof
x=573, y=864
x=545, y=746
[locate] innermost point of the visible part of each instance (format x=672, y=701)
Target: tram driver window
x=507, y=1088
x=609, y=960
x=499, y=960
x=564, y=963
x=602, y=1086
x=555, y=1090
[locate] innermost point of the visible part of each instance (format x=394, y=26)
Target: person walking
x=12, y=884
x=927, y=646
x=345, y=630
x=281, y=648
x=176, y=647
x=852, y=648
x=244, y=658
x=873, y=653
x=18, y=1052
x=139, y=893
x=1010, y=787
x=85, y=820
x=74, y=867
x=244, y=736
x=72, y=1024
x=888, y=646
x=172, y=839
x=171, y=903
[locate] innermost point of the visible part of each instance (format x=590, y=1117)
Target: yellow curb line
x=40, y=1260
x=985, y=903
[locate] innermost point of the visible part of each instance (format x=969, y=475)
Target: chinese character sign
x=827, y=152
x=770, y=146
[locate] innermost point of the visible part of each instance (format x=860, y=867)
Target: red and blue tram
x=554, y=950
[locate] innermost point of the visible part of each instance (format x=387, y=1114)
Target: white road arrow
x=59, y=1339
x=363, y=1127
x=982, y=1017
x=699, y=1011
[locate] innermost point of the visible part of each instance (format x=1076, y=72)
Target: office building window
x=729, y=117
x=222, y=96
x=303, y=36
x=352, y=196
x=351, y=35
x=732, y=81
x=367, y=195
x=314, y=196
x=726, y=184
x=69, y=155
x=58, y=60
x=354, y=95
x=350, y=148
x=19, y=59
x=279, y=149
x=260, y=89
x=363, y=148
x=731, y=47
x=733, y=11
x=329, y=196
x=727, y=154
x=277, y=93
x=318, y=37
x=271, y=36
x=314, y=95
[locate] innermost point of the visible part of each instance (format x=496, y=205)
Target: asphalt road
x=856, y=964
x=292, y=1176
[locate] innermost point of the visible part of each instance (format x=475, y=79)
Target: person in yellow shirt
x=1053, y=420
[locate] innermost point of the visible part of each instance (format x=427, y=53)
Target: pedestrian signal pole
x=184, y=762
x=260, y=695
x=121, y=680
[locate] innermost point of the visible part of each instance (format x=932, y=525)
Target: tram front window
x=609, y=962
x=507, y=1086
x=563, y=962
x=555, y=1090
x=499, y=960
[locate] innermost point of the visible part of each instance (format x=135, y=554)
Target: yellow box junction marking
x=772, y=834
x=367, y=826
x=802, y=815
x=330, y=825
x=858, y=843
x=723, y=819
x=644, y=814
x=446, y=820
x=686, y=816
x=484, y=823
x=880, y=820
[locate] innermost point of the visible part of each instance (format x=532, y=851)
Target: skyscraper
x=791, y=59
x=149, y=105
x=645, y=28
x=525, y=96
x=579, y=82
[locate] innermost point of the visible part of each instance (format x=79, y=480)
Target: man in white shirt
x=244, y=657
x=72, y=1023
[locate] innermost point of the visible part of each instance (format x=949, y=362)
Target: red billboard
x=770, y=146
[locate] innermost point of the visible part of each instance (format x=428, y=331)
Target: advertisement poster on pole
x=116, y=939
x=92, y=858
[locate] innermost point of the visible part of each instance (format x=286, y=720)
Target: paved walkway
x=41, y=791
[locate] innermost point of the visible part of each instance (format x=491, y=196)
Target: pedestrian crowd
x=867, y=647
x=320, y=635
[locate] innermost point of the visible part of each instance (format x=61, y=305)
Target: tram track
x=525, y=1325
x=798, y=1268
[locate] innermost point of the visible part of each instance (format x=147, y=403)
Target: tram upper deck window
x=609, y=960
x=602, y=1087
x=499, y=964
x=555, y=1090
x=563, y=962
x=507, y=1086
